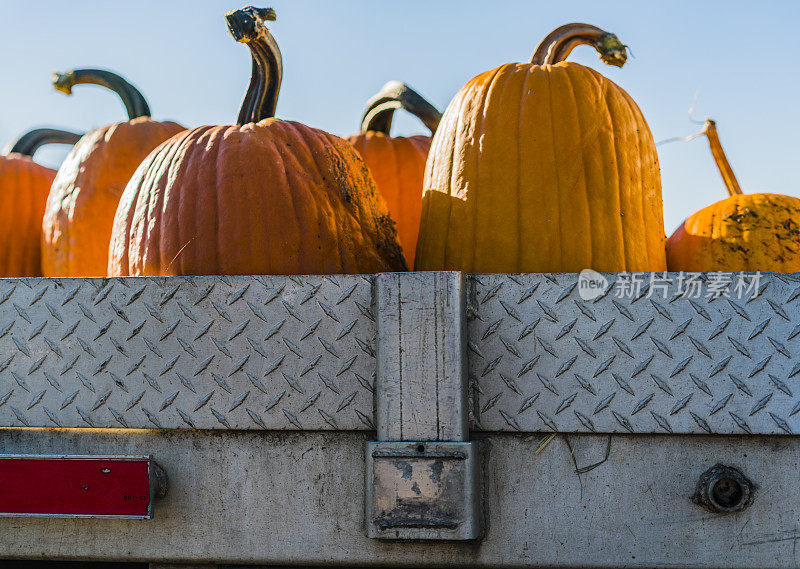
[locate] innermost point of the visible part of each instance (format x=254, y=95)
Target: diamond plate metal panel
x=299, y=353
x=657, y=360
x=243, y=352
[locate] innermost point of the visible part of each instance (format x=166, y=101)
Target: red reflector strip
x=75, y=486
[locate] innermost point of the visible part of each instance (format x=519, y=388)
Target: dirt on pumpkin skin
x=777, y=230
x=358, y=192
x=741, y=216
x=387, y=240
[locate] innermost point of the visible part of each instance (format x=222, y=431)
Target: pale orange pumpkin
x=76, y=226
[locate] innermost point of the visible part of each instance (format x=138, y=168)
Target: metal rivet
x=723, y=489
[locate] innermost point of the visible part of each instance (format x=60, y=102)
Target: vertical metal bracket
x=422, y=475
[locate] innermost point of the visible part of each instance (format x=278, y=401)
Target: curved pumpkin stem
x=725, y=170
x=396, y=95
x=132, y=98
x=31, y=141
x=248, y=25
x=558, y=44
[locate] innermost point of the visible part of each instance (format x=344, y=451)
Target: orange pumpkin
x=743, y=232
x=543, y=167
x=397, y=163
x=265, y=196
x=24, y=185
x=76, y=227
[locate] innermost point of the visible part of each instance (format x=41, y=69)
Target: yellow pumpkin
x=544, y=166
x=743, y=232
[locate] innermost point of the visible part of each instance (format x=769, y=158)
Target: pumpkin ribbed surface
x=539, y=169
x=744, y=232
x=23, y=192
x=398, y=166
x=273, y=197
x=85, y=194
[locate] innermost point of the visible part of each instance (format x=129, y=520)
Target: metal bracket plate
x=422, y=478
x=423, y=490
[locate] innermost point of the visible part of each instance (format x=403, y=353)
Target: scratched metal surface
x=277, y=499
x=652, y=361
x=187, y=352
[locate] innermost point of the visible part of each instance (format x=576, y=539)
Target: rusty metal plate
x=642, y=353
x=243, y=352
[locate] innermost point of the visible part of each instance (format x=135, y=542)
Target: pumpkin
x=265, y=196
x=544, y=166
x=397, y=163
x=743, y=232
x=76, y=227
x=24, y=185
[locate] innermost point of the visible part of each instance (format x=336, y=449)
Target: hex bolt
x=723, y=489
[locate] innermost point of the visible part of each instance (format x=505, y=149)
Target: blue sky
x=741, y=57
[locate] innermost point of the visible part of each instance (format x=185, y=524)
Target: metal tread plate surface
x=238, y=352
x=672, y=355
x=650, y=353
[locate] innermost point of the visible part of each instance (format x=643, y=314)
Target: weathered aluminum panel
x=421, y=384
x=649, y=353
x=243, y=352
x=296, y=499
x=422, y=476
